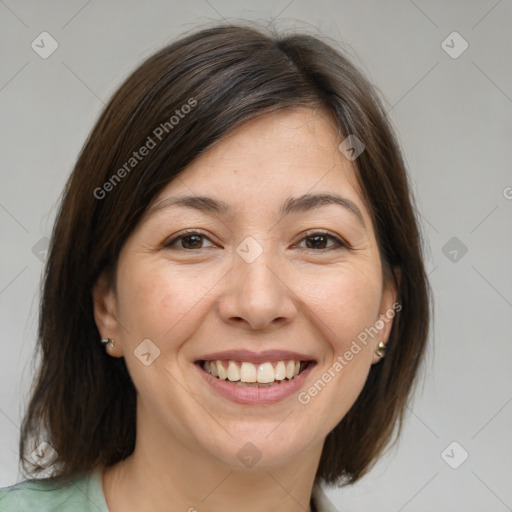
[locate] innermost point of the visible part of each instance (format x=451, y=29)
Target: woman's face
x=278, y=275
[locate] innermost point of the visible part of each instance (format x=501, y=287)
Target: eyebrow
x=303, y=203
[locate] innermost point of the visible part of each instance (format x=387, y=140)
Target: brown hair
x=83, y=401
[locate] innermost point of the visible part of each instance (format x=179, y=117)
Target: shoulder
x=79, y=495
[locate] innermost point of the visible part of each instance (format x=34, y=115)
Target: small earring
x=381, y=349
x=108, y=341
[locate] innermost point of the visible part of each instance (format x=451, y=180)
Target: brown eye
x=319, y=240
x=189, y=241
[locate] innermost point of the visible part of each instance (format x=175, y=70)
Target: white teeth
x=280, y=371
x=248, y=372
x=245, y=372
x=233, y=371
x=290, y=369
x=221, y=370
x=265, y=373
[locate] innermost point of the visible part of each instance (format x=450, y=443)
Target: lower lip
x=254, y=395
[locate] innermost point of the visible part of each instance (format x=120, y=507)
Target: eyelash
x=310, y=234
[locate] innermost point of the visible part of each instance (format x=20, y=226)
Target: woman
x=235, y=306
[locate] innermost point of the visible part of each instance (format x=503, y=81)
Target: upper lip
x=256, y=357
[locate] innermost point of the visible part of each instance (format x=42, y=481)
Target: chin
x=259, y=447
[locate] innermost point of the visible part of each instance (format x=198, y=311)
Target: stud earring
x=381, y=349
x=108, y=341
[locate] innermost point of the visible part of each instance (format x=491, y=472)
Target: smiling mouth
x=247, y=374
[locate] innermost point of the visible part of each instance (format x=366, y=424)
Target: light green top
x=83, y=494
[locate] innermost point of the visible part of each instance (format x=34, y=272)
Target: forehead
x=280, y=153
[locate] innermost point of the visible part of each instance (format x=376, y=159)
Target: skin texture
x=191, y=301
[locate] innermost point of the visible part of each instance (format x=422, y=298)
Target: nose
x=257, y=295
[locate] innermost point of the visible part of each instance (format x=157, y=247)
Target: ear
x=105, y=314
x=387, y=311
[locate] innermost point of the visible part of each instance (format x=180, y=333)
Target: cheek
x=163, y=304
x=348, y=306
x=160, y=305
x=347, y=302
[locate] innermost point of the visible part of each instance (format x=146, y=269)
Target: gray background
x=453, y=116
